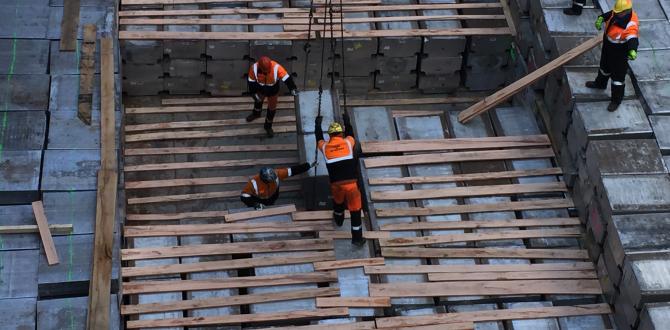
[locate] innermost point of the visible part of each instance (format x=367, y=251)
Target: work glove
x=256, y=97
x=294, y=92
x=313, y=164
x=318, y=120
x=599, y=23
x=259, y=207
x=632, y=54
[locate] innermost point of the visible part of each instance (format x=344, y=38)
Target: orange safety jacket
x=276, y=73
x=622, y=30
x=339, y=155
x=256, y=187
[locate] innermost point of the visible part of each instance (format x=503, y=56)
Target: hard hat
x=622, y=5
x=265, y=64
x=335, y=128
x=268, y=174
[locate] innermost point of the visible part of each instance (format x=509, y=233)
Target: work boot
x=613, y=106
x=338, y=217
x=357, y=237
x=269, y=118
x=618, y=90
x=268, y=130
x=575, y=10
x=600, y=82
x=255, y=114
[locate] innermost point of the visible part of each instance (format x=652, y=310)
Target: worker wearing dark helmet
x=263, y=188
x=338, y=152
x=263, y=81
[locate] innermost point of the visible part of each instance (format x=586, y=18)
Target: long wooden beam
x=361, y=302
x=506, y=276
x=225, y=229
x=169, y=35
x=488, y=253
x=478, y=224
x=467, y=177
x=248, y=215
x=485, y=288
x=132, y=185
x=418, y=33
x=374, y=147
x=205, y=150
x=509, y=91
x=544, y=204
x=464, y=156
x=200, y=124
x=209, y=164
x=477, y=237
x=213, y=21
x=197, y=196
x=69, y=25
x=492, y=190
x=199, y=108
x=30, y=229
x=354, y=20
x=185, y=135
x=175, y=216
x=411, y=101
x=483, y=268
x=219, y=100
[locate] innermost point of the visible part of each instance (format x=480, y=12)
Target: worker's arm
x=288, y=80
x=318, y=132
x=348, y=129
x=298, y=169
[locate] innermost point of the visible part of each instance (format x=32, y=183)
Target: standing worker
x=576, y=9
x=264, y=77
x=338, y=152
x=263, y=188
x=619, y=45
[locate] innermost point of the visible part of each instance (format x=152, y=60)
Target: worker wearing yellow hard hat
x=620, y=45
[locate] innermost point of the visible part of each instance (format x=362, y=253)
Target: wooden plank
x=175, y=216
x=175, y=2
x=184, y=135
x=131, y=185
x=361, y=302
x=418, y=33
x=454, y=225
x=504, y=276
x=204, y=150
x=366, y=325
x=142, y=287
x=213, y=21
x=201, y=124
x=198, y=196
x=464, y=156
x=508, y=16
x=225, y=249
x=209, y=164
x=467, y=177
x=29, y=229
x=545, y=204
x=347, y=234
x=411, y=101
x=208, y=266
x=45, y=233
x=316, y=215
x=349, y=20
x=416, y=113
x=449, y=326
x=479, y=237
x=236, y=319
x=220, y=100
x=373, y=147
x=348, y=263
x=269, y=212
x=432, y=6
x=488, y=253
x=86, y=74
x=225, y=229
x=494, y=315
x=485, y=268
x=200, y=108
x=511, y=89
x=69, y=24
x=168, y=35
x=472, y=191
x=485, y=288
x=227, y=301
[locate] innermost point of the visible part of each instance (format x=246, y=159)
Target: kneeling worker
x=263, y=81
x=340, y=161
x=263, y=188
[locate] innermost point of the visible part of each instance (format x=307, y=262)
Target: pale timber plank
x=284, y=209
x=176, y=216
x=131, y=185
x=419, y=33
x=45, y=233
x=484, y=268
x=485, y=288
x=201, y=124
x=225, y=229
x=198, y=196
x=361, y=302
x=473, y=191
x=502, y=276
x=478, y=237
x=220, y=100
x=373, y=147
x=185, y=135
x=205, y=150
x=466, y=177
x=545, y=204
x=464, y=156
x=450, y=225
x=201, y=108
x=347, y=235
x=30, y=229
x=488, y=253
x=210, y=164
x=168, y=35
x=348, y=263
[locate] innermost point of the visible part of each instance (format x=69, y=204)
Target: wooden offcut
x=375, y=147
x=485, y=288
x=45, y=233
x=86, y=74
x=348, y=263
x=69, y=25
x=359, y=302
x=269, y=212
x=502, y=95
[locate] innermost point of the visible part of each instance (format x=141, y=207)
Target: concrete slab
x=549, y=323
x=23, y=130
x=606, y=157
x=650, y=10
x=184, y=68
x=16, y=215
x=646, y=279
x=656, y=35
x=400, y=82
x=229, y=69
x=76, y=208
x=142, y=51
x=67, y=131
x=373, y=124
x=638, y=233
x=24, y=92
x=24, y=21
x=184, y=86
x=24, y=56
x=228, y=49
x=18, y=274
x=438, y=84
x=55, y=314
x=657, y=95
x=308, y=102
x=478, y=307
x=576, y=78
x=650, y=66
x=143, y=87
x=64, y=92
x=661, y=126
x=555, y=22
x=66, y=170
x=638, y=193
x=562, y=44
x=595, y=122
x=19, y=183
x=18, y=313
x=439, y=65
x=654, y=316
x=398, y=46
x=102, y=17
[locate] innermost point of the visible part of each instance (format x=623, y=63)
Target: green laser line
x=70, y=253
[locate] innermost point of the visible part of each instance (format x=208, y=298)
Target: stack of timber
x=187, y=47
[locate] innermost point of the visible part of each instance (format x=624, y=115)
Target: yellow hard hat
x=622, y=5
x=335, y=128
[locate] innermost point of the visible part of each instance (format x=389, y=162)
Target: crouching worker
x=263, y=188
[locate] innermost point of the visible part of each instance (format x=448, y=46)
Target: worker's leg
x=272, y=199
x=258, y=107
x=604, y=71
x=338, y=204
x=270, y=116
x=619, y=70
x=248, y=200
x=354, y=204
x=576, y=9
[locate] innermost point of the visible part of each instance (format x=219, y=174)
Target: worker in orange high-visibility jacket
x=263, y=188
x=576, y=9
x=620, y=45
x=264, y=79
x=338, y=152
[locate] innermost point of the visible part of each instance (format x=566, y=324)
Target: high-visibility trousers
x=347, y=191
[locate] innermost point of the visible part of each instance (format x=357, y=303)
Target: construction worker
x=576, y=9
x=619, y=45
x=263, y=188
x=264, y=77
x=338, y=152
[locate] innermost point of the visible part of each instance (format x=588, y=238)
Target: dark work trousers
x=613, y=64
x=356, y=222
x=252, y=201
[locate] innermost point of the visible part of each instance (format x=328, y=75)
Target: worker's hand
x=259, y=207
x=294, y=92
x=632, y=54
x=318, y=120
x=313, y=164
x=599, y=23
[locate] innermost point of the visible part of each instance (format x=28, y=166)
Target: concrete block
x=184, y=86
x=64, y=92
x=638, y=233
x=72, y=207
x=24, y=21
x=70, y=170
x=22, y=130
x=661, y=126
x=142, y=51
x=18, y=313
x=184, y=49
x=646, y=279
x=657, y=95
x=373, y=124
x=67, y=131
x=228, y=69
x=143, y=87
x=490, y=45
x=102, y=17
x=481, y=81
x=19, y=183
x=357, y=48
x=438, y=83
x=161, y=298
x=650, y=9
x=577, y=77
x=649, y=66
x=68, y=62
x=441, y=46
x=593, y=121
x=396, y=65
x=356, y=85
x=607, y=157
x=563, y=44
x=308, y=102
x=17, y=215
x=143, y=71
x=24, y=92
x=19, y=274
x=24, y=56
x=438, y=65
x=399, y=82
x=654, y=316
x=555, y=22
x=184, y=68
x=398, y=46
x=278, y=50
x=656, y=34
x=360, y=66
x=228, y=49
x=548, y=323
x=636, y=194
x=225, y=87
x=55, y=314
